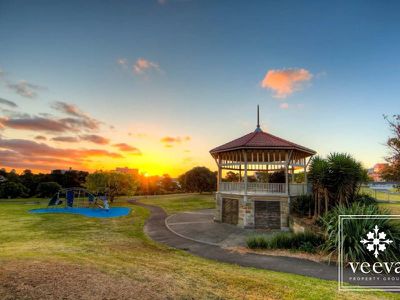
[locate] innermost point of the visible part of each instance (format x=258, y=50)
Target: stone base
x=246, y=209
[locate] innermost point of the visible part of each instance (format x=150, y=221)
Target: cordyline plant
x=336, y=180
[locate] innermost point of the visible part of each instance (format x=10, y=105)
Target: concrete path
x=156, y=229
x=199, y=226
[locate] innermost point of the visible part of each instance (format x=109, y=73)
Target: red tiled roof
x=260, y=140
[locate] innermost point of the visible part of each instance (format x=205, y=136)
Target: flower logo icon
x=376, y=241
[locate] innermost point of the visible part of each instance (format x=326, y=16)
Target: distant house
x=375, y=172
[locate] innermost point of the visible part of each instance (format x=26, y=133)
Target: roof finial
x=258, y=119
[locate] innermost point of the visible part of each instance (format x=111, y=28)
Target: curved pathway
x=156, y=229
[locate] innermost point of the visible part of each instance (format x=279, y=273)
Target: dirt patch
x=54, y=280
x=281, y=252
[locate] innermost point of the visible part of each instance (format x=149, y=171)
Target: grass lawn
x=181, y=202
x=384, y=196
x=394, y=208
x=70, y=256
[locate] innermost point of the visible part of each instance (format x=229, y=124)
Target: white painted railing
x=253, y=187
x=263, y=188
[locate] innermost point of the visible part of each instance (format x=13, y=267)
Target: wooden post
x=286, y=172
x=293, y=174
x=245, y=172
x=219, y=174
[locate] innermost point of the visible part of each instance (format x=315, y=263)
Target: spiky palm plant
x=344, y=177
x=318, y=175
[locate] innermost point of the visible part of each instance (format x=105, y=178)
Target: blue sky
x=203, y=63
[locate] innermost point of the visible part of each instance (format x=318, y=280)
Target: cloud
x=25, y=89
x=143, y=65
x=36, y=124
x=284, y=105
x=8, y=103
x=123, y=62
x=127, y=148
x=81, y=119
x=168, y=141
x=66, y=139
x=40, y=138
x=20, y=153
x=76, y=121
x=285, y=82
x=97, y=139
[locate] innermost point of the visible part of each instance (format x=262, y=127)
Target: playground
x=82, y=202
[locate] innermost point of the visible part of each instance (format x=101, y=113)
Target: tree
x=199, y=179
x=167, y=184
x=392, y=172
x=47, y=189
x=231, y=177
x=336, y=180
x=111, y=183
x=11, y=189
x=318, y=174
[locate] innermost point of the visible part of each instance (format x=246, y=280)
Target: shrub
x=302, y=205
x=307, y=241
x=13, y=190
x=365, y=199
x=356, y=229
x=48, y=189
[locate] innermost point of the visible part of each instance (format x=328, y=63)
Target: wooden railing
x=263, y=188
x=253, y=187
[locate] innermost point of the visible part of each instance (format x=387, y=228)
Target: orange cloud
x=127, y=148
x=169, y=140
x=19, y=153
x=285, y=82
x=97, y=139
x=66, y=139
x=142, y=65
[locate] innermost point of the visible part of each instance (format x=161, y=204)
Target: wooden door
x=230, y=211
x=267, y=214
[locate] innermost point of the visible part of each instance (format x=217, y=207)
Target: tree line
x=28, y=184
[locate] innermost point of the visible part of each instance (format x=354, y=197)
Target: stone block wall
x=285, y=214
x=218, y=208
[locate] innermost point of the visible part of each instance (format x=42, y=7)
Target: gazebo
x=259, y=204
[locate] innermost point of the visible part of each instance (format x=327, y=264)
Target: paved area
x=199, y=226
x=156, y=229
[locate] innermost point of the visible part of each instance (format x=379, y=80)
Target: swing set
x=77, y=197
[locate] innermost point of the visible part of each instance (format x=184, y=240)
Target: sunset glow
x=107, y=90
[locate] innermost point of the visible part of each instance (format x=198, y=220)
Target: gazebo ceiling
x=260, y=140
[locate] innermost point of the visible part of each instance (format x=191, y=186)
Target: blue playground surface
x=113, y=212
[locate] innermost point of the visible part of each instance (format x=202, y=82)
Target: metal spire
x=258, y=119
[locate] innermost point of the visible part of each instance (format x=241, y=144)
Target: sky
x=155, y=85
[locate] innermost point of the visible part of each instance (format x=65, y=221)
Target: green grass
x=181, y=202
x=394, y=196
x=394, y=208
x=118, y=248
